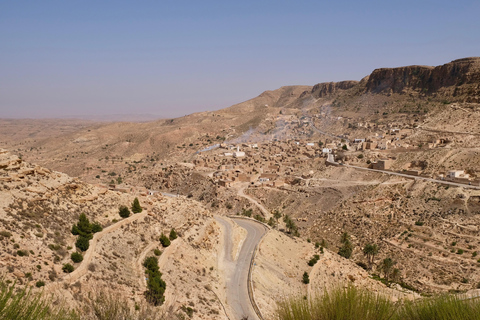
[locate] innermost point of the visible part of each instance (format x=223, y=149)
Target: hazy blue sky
x=170, y=58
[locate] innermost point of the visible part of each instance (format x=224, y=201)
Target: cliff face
x=327, y=88
x=459, y=77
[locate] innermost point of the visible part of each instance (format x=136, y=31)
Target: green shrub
x=82, y=243
x=419, y=223
x=247, y=213
x=96, y=227
x=259, y=218
x=40, y=284
x=173, y=235
x=22, y=253
x=76, y=257
x=305, y=278
x=314, y=260
x=68, y=268
x=5, y=234
x=136, y=208
x=124, y=212
x=157, y=252
x=450, y=307
x=164, y=240
x=342, y=303
x=23, y=304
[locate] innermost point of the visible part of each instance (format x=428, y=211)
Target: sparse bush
x=419, y=223
x=40, y=284
x=247, y=213
x=157, y=252
x=259, y=218
x=76, y=257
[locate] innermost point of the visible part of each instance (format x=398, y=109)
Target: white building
x=456, y=174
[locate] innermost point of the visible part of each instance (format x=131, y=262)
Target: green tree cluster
x=314, y=260
x=85, y=230
x=155, y=285
x=305, y=278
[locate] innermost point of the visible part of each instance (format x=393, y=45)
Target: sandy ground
x=281, y=262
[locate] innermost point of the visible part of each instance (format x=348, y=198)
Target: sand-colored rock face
x=428, y=79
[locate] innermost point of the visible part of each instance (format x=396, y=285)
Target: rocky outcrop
x=323, y=89
x=459, y=77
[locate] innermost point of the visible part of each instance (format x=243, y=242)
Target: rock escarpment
x=324, y=89
x=459, y=78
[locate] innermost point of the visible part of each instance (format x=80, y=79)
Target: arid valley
x=373, y=184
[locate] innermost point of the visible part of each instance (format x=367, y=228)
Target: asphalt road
x=237, y=270
x=410, y=176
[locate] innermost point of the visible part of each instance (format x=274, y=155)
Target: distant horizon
x=64, y=59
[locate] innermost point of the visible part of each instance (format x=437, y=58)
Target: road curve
x=237, y=270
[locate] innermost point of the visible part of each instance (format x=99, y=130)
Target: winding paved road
x=236, y=272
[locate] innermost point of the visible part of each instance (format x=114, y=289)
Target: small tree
x=271, y=222
x=68, y=268
x=370, y=251
x=386, y=267
x=96, y=227
x=164, y=240
x=76, y=257
x=277, y=215
x=173, y=235
x=346, y=249
x=136, y=208
x=124, y=212
x=344, y=147
x=82, y=243
x=305, y=278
